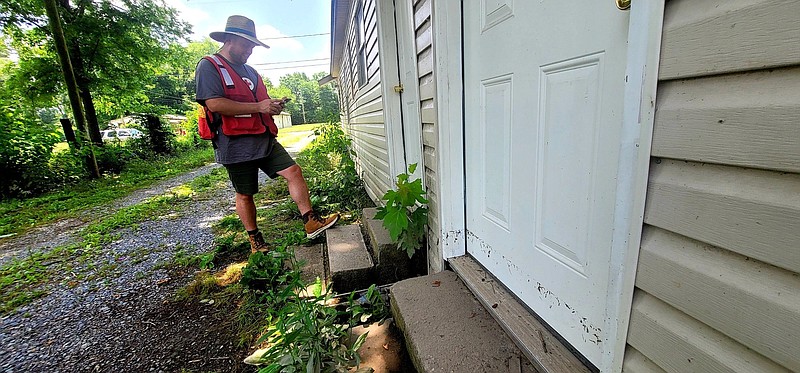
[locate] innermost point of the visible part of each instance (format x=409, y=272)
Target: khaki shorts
x=244, y=175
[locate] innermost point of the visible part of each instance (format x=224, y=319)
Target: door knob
x=623, y=4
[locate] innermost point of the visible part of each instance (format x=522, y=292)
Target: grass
x=17, y=216
x=290, y=136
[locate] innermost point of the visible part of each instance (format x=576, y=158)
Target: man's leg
x=244, y=177
x=246, y=209
x=298, y=188
x=281, y=163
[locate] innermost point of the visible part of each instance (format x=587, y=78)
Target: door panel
x=543, y=87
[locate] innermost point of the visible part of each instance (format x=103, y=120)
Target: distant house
x=631, y=176
x=283, y=120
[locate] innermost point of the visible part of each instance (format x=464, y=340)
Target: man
x=233, y=92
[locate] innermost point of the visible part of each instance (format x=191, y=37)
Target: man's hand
x=271, y=106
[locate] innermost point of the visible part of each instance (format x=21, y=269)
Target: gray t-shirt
x=231, y=149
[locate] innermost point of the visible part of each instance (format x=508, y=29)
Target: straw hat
x=239, y=26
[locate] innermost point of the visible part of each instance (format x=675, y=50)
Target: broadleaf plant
x=405, y=215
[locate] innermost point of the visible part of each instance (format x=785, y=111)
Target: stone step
x=446, y=328
x=311, y=264
x=351, y=266
x=391, y=264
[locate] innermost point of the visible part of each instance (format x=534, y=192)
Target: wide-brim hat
x=240, y=26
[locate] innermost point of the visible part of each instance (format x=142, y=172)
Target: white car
x=121, y=134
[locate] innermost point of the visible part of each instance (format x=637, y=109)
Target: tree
x=311, y=103
x=115, y=48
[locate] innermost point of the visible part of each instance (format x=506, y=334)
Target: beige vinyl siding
x=363, y=116
x=427, y=91
x=717, y=285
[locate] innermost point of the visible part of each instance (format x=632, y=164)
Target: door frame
x=644, y=43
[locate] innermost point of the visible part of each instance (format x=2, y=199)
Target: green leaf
x=412, y=167
x=395, y=221
x=310, y=366
x=360, y=341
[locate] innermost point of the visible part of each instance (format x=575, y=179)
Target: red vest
x=237, y=89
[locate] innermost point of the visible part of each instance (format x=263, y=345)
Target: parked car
x=121, y=134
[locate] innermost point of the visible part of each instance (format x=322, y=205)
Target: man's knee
x=247, y=198
x=293, y=172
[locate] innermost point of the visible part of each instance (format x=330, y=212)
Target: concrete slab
x=446, y=328
x=312, y=262
x=392, y=264
x=350, y=264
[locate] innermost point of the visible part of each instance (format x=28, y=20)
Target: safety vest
x=236, y=89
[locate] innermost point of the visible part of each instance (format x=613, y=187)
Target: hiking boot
x=257, y=243
x=317, y=224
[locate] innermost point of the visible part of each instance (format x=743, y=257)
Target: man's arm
x=229, y=107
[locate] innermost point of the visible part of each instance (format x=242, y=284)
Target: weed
x=405, y=214
x=367, y=306
x=330, y=172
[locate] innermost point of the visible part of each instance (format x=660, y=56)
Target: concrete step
x=351, y=266
x=311, y=262
x=446, y=328
x=391, y=264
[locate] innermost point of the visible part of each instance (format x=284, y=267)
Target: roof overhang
x=340, y=17
x=327, y=79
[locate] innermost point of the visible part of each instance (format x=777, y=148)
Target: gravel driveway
x=125, y=319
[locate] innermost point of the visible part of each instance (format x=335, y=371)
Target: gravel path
x=125, y=317
x=63, y=231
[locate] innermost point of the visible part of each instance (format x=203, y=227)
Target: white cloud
x=198, y=18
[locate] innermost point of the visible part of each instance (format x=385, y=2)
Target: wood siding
x=427, y=91
x=362, y=106
x=717, y=285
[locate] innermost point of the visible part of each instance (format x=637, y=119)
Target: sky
x=279, y=23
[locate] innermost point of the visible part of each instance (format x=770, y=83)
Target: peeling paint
x=483, y=246
x=590, y=334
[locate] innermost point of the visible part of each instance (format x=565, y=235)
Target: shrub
x=25, y=149
x=191, y=139
x=330, y=172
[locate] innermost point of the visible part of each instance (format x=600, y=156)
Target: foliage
x=25, y=149
x=304, y=333
x=369, y=305
x=330, y=172
x=405, y=220
x=264, y=271
x=308, y=336
x=311, y=103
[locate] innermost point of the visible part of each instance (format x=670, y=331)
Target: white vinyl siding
x=717, y=285
x=427, y=91
x=362, y=101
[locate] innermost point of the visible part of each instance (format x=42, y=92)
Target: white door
x=543, y=86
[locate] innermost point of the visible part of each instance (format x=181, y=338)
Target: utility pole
x=69, y=77
x=302, y=106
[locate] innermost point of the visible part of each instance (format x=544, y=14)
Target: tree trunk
x=92, y=125
x=69, y=76
x=66, y=125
